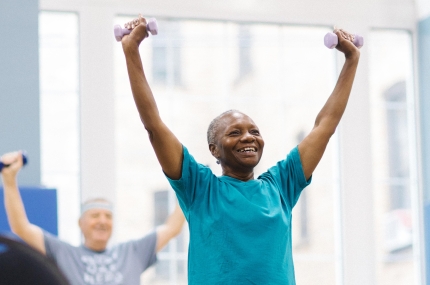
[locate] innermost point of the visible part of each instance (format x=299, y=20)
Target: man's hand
x=14, y=160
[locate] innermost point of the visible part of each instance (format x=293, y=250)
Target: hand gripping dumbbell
x=151, y=26
x=24, y=162
x=331, y=40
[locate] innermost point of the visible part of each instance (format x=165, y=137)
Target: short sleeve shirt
x=120, y=264
x=240, y=232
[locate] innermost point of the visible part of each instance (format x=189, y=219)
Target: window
x=166, y=54
x=59, y=115
x=303, y=210
x=171, y=265
x=245, y=49
x=394, y=153
x=397, y=129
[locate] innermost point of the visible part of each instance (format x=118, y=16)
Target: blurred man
x=92, y=262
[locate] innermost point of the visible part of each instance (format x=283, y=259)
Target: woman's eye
x=234, y=133
x=255, y=132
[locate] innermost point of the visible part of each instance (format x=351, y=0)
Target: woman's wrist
x=354, y=56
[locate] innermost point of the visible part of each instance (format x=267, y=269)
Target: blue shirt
x=240, y=232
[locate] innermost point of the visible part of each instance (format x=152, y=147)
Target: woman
x=240, y=227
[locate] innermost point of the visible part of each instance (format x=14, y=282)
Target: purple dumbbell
x=24, y=162
x=331, y=40
x=151, y=26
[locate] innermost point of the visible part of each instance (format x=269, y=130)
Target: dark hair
x=213, y=126
x=21, y=265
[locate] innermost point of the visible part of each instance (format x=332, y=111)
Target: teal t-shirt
x=240, y=232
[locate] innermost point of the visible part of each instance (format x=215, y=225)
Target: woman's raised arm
x=166, y=146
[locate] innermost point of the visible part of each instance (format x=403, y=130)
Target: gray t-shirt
x=121, y=264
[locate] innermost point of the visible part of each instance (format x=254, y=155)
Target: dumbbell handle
x=24, y=162
x=331, y=40
x=151, y=26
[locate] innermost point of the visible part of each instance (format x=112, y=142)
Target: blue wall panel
x=40, y=205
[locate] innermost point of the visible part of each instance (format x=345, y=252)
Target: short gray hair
x=213, y=126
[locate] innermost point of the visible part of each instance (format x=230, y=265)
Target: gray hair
x=213, y=126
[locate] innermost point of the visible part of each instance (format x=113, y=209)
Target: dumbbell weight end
x=24, y=162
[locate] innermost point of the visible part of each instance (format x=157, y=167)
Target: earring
x=217, y=162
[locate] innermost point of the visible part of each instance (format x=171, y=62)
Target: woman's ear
x=214, y=150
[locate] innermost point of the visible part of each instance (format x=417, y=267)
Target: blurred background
x=66, y=99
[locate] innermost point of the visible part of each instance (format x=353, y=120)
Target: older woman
x=240, y=226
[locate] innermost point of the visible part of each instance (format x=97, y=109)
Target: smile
x=248, y=149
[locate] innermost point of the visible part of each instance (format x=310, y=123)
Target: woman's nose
x=248, y=137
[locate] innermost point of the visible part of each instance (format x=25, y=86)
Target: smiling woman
x=199, y=69
x=235, y=141
x=242, y=222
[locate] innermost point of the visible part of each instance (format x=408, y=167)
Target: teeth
x=247, y=149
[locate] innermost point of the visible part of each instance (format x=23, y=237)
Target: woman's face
x=238, y=143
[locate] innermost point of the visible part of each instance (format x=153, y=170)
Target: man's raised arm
x=171, y=228
x=15, y=211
